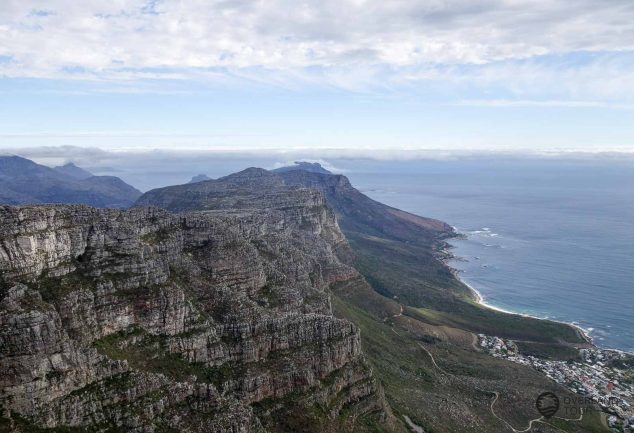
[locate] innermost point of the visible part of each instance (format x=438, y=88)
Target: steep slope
x=24, y=182
x=142, y=320
x=417, y=320
x=370, y=224
x=402, y=255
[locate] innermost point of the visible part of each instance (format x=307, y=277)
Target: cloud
x=147, y=169
x=502, y=53
x=544, y=104
x=126, y=39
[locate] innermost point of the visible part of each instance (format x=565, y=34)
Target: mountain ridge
x=26, y=182
x=273, y=301
x=217, y=320
x=313, y=167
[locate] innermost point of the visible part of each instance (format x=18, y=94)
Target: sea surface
x=550, y=238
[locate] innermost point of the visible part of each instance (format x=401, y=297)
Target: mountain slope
x=402, y=255
x=23, y=181
x=147, y=321
x=418, y=322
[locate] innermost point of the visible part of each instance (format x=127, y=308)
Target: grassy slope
x=440, y=315
x=399, y=254
x=399, y=257
x=456, y=398
x=434, y=295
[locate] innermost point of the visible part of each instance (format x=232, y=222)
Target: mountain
x=23, y=181
x=199, y=178
x=313, y=167
x=258, y=302
x=413, y=246
x=145, y=320
x=419, y=323
x=72, y=170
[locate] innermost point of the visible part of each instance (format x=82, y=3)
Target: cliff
x=147, y=321
x=367, y=224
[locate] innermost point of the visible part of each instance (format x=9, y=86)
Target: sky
x=372, y=77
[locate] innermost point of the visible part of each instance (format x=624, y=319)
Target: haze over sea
x=548, y=238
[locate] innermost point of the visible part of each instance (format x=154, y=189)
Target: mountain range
x=23, y=181
x=262, y=301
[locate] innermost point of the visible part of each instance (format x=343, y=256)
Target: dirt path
x=399, y=314
x=495, y=399
x=474, y=342
x=433, y=361
x=414, y=427
x=417, y=429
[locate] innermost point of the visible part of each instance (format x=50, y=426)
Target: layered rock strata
x=143, y=320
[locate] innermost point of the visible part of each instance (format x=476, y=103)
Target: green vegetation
x=441, y=400
x=551, y=351
x=417, y=279
x=157, y=237
x=24, y=425
x=300, y=412
x=145, y=352
x=55, y=288
x=590, y=423
x=440, y=317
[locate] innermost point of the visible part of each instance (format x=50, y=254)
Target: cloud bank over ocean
x=151, y=168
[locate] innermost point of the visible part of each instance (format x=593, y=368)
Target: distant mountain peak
x=70, y=169
x=15, y=161
x=312, y=167
x=199, y=178
x=26, y=182
x=249, y=174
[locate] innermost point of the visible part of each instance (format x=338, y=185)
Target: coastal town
x=603, y=377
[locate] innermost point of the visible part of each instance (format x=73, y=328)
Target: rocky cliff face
x=147, y=321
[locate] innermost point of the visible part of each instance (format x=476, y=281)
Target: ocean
x=550, y=238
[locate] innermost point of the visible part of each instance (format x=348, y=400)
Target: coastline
x=448, y=255
x=479, y=298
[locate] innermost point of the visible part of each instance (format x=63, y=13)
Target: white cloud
x=509, y=52
x=139, y=38
x=545, y=103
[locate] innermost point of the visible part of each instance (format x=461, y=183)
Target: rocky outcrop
x=199, y=178
x=312, y=167
x=145, y=321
